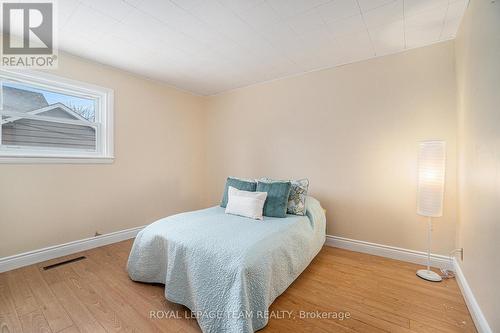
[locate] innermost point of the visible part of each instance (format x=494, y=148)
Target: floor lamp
x=430, y=193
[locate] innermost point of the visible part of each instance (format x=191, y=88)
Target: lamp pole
x=429, y=244
x=427, y=274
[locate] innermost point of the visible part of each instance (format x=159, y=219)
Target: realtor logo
x=28, y=34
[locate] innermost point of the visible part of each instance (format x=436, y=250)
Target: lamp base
x=429, y=275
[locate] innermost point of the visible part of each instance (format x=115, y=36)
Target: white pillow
x=245, y=203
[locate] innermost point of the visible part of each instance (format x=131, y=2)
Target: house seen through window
x=53, y=120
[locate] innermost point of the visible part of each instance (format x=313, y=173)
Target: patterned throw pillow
x=297, y=197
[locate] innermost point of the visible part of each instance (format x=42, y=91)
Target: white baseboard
x=392, y=252
x=36, y=256
x=474, y=309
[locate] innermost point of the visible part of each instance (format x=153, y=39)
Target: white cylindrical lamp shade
x=431, y=174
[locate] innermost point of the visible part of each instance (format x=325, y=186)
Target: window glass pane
x=38, y=134
x=43, y=116
x=20, y=97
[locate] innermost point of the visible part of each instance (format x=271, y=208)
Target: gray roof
x=20, y=100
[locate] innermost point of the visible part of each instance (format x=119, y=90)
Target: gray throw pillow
x=240, y=184
x=277, y=197
x=297, y=197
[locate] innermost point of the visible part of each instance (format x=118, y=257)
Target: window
x=48, y=118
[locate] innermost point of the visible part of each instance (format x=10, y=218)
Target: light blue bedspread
x=227, y=269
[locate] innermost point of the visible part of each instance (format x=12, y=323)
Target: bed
x=227, y=269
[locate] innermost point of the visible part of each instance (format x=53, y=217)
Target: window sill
x=56, y=160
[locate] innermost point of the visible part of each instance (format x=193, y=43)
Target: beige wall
x=353, y=131
x=478, y=78
x=158, y=148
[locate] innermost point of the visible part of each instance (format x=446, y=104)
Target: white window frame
x=103, y=123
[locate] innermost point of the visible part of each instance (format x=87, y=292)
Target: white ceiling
x=210, y=46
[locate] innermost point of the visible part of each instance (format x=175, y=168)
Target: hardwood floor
x=96, y=295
